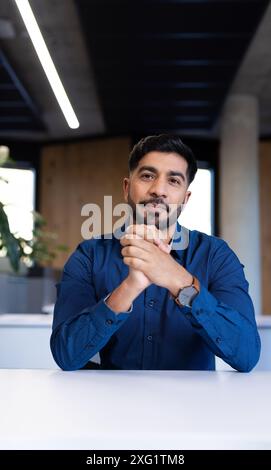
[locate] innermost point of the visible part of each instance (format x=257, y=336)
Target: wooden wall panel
x=265, y=203
x=75, y=174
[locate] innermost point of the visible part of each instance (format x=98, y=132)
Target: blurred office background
x=199, y=68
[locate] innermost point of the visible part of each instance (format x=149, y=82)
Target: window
x=198, y=214
x=18, y=195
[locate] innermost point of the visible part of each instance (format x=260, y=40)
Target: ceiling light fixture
x=46, y=62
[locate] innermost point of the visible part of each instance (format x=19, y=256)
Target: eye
x=174, y=181
x=147, y=176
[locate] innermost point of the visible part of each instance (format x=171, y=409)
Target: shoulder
x=216, y=250
x=88, y=248
x=222, y=260
x=209, y=243
x=87, y=254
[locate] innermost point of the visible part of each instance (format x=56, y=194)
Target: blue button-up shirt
x=157, y=333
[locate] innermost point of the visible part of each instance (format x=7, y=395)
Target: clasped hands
x=149, y=260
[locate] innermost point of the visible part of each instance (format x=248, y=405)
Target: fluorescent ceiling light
x=46, y=62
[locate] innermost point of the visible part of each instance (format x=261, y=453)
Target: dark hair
x=167, y=143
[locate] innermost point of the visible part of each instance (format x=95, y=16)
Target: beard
x=162, y=219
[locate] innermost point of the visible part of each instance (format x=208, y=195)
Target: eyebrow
x=169, y=173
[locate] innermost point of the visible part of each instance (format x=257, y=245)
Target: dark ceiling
x=166, y=65
x=17, y=109
x=133, y=66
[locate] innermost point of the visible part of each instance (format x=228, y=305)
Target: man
x=145, y=305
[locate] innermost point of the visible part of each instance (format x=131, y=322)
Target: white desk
x=42, y=409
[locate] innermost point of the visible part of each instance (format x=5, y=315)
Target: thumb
x=162, y=245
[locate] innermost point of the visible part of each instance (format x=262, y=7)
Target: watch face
x=187, y=295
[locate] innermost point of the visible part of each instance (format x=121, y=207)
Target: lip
x=154, y=206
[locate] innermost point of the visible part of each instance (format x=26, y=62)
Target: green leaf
x=11, y=244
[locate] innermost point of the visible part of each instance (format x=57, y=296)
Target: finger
x=134, y=263
x=127, y=239
x=134, y=252
x=163, y=246
x=133, y=229
x=148, y=232
x=130, y=236
x=138, y=242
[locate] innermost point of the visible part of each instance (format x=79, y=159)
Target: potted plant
x=22, y=287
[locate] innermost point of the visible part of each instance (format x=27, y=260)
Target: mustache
x=157, y=201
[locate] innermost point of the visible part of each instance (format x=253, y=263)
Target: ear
x=125, y=187
x=187, y=196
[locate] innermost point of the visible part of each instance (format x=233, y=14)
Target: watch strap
x=195, y=284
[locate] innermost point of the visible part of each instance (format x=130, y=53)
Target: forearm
x=121, y=299
x=180, y=279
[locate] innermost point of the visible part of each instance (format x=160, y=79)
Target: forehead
x=163, y=161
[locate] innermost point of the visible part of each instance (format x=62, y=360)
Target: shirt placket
x=150, y=326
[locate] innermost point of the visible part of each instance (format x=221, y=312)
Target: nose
x=158, y=188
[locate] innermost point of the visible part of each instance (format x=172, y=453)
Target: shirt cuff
x=105, y=320
x=204, y=305
x=203, y=308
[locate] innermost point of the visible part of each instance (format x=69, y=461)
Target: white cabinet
x=25, y=342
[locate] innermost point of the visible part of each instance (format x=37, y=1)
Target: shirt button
x=218, y=340
x=149, y=337
x=188, y=315
x=151, y=303
x=109, y=321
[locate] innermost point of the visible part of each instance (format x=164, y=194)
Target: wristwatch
x=187, y=294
